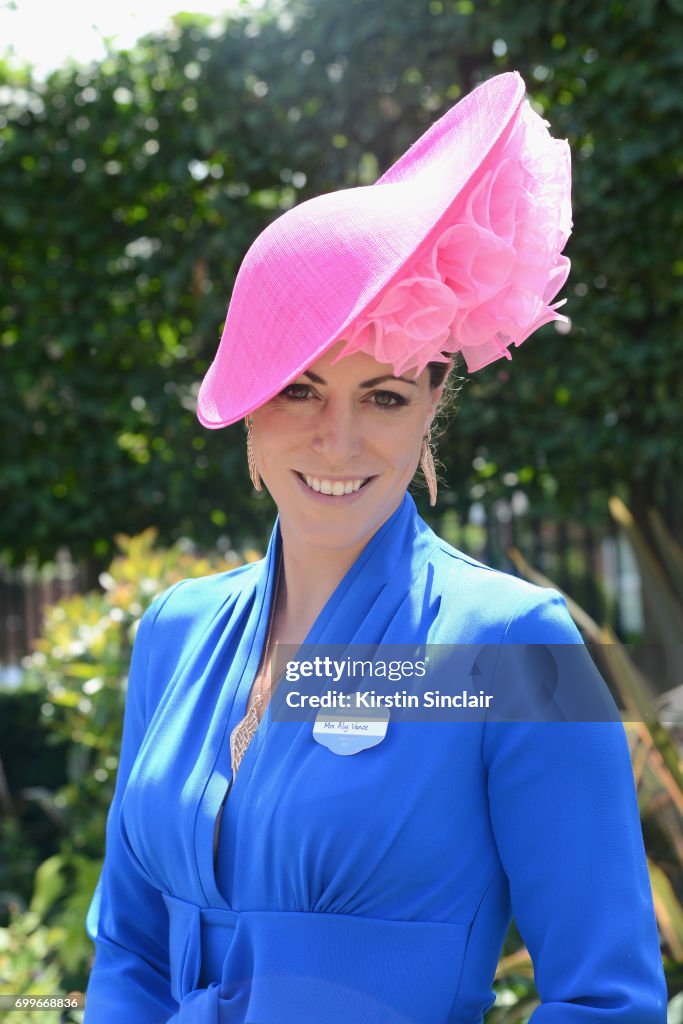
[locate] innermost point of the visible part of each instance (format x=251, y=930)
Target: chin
x=334, y=533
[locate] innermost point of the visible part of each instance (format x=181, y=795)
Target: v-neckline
x=231, y=798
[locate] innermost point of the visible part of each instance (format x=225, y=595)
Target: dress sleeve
x=565, y=818
x=127, y=919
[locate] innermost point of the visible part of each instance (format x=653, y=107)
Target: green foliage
x=80, y=667
x=28, y=963
x=138, y=184
x=129, y=218
x=599, y=409
x=31, y=759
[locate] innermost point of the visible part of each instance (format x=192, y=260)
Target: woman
x=262, y=869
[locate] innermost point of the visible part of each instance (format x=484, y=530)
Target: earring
x=427, y=467
x=251, y=461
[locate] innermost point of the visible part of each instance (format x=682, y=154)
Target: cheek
x=412, y=462
x=276, y=434
x=402, y=451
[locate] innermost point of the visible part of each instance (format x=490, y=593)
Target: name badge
x=344, y=735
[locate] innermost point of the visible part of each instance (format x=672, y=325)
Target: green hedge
x=137, y=184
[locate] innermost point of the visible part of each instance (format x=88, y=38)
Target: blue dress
x=376, y=887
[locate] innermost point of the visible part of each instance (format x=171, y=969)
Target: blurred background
x=141, y=151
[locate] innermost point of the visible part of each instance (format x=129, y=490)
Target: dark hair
x=437, y=372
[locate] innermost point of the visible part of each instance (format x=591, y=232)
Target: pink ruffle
x=488, y=280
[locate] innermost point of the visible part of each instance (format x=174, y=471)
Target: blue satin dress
x=376, y=887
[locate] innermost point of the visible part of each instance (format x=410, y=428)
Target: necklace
x=243, y=733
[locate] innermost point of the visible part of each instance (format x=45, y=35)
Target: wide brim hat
x=456, y=248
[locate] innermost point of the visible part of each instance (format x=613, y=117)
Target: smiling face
x=338, y=447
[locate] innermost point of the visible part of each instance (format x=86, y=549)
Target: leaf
x=49, y=885
x=671, y=553
x=669, y=911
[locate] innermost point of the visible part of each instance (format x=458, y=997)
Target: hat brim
x=321, y=265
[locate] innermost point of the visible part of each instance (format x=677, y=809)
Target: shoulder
x=196, y=600
x=500, y=607
x=182, y=621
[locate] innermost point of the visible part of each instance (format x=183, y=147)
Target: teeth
x=336, y=487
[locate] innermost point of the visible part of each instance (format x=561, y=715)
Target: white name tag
x=344, y=735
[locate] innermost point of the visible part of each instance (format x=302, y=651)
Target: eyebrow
x=372, y=383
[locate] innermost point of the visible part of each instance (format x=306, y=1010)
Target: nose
x=336, y=433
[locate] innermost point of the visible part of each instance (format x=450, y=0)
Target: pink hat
x=457, y=248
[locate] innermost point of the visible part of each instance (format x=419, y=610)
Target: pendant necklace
x=243, y=733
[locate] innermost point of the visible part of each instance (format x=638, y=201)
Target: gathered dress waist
x=278, y=967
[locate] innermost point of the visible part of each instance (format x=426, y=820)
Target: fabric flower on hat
x=413, y=317
x=488, y=279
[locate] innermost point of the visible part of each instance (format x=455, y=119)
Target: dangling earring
x=251, y=461
x=427, y=466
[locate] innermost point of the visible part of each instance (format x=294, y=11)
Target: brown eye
x=297, y=392
x=388, y=399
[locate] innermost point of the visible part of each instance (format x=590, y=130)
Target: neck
x=310, y=575
x=309, y=578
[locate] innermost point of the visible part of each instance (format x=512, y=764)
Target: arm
x=127, y=919
x=565, y=817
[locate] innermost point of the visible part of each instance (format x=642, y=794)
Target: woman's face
x=338, y=447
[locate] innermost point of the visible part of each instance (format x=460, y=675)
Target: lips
x=335, y=488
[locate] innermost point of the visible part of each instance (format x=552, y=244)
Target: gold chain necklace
x=243, y=733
